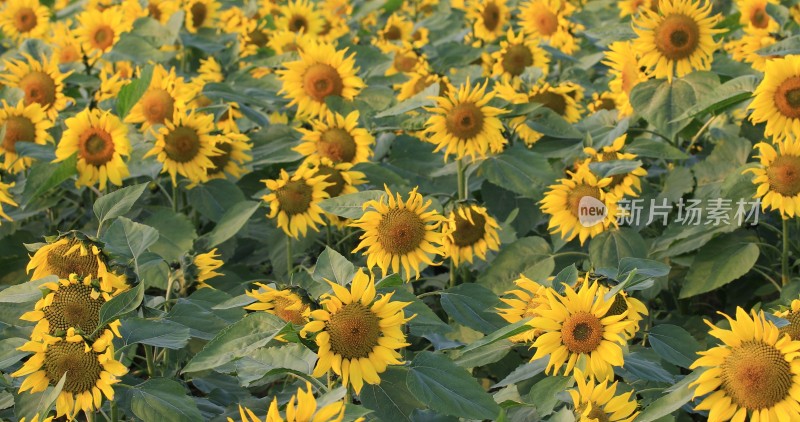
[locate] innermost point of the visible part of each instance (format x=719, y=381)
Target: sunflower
x=72, y=255
x=398, y=233
x=99, y=31
x=227, y=120
x=517, y=53
x=321, y=71
x=337, y=138
x=284, y=303
x=561, y=98
x=396, y=33
x=419, y=79
x=113, y=77
x=792, y=315
x=6, y=198
x=633, y=308
x=305, y=410
x=777, y=98
x=405, y=60
x=100, y=140
x=209, y=71
x=234, y=154
x=633, y=7
x=778, y=179
x=41, y=82
x=464, y=125
x=73, y=303
x=334, y=27
x=598, y=402
x=299, y=16
x=468, y=232
x=286, y=41
x=200, y=14
x=23, y=19
x=358, y=336
x=621, y=184
x=341, y=177
x=745, y=49
x=625, y=70
x=754, y=15
x=185, y=146
x=602, y=101
x=166, y=95
x=22, y=124
x=65, y=43
x=295, y=200
x=162, y=10
x=754, y=371
x=676, y=39
x=206, y=266
x=576, y=329
x=488, y=18
x=548, y=20
x=564, y=204
x=84, y=388
x=523, y=302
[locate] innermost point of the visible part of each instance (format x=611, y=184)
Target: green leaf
x=524, y=372
x=332, y=266
x=782, y=48
x=421, y=99
x=719, y=262
x=117, y=203
x=609, y=247
x=176, y=234
x=674, y=344
x=230, y=223
x=271, y=361
x=530, y=256
x=653, y=148
x=447, y=388
x=213, y=198
x=163, y=399
x=25, y=292
x=519, y=170
x=129, y=239
x=678, y=395
x=605, y=169
x=731, y=92
x=130, y=94
x=350, y=205
x=154, y=332
x=550, y=123
x=501, y=334
x=390, y=400
x=484, y=355
x=197, y=313
x=120, y=305
x=44, y=176
x=39, y=152
x=474, y=306
x=544, y=395
x=9, y=354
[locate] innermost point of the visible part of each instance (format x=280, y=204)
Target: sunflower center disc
x=280, y=305
x=82, y=368
x=393, y=33
x=295, y=197
x=298, y=23
x=337, y=145
x=491, y=16
x=400, y=231
x=607, y=104
x=596, y=413
x=466, y=233
x=39, y=87
x=322, y=80
x=182, y=144
x=157, y=105
x=18, y=129
x=619, y=306
x=516, y=59
x=404, y=62
x=199, y=14
x=551, y=100
x=546, y=22
x=787, y=97
x=222, y=160
x=73, y=306
x=154, y=11
x=578, y=193
x=581, y=332
x=25, y=19
x=97, y=147
x=104, y=37
x=63, y=265
x=756, y=376
x=354, y=331
x=759, y=18
x=258, y=38
x=677, y=37
x=335, y=177
x=784, y=175
x=465, y=121
x=793, y=328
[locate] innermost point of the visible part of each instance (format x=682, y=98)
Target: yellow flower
x=113, y=76
x=321, y=71
x=6, y=198
x=299, y=15
x=469, y=232
x=633, y=7
x=358, y=336
x=200, y=14
x=754, y=15
x=206, y=265
x=295, y=200
x=676, y=39
x=337, y=138
x=598, y=402
x=71, y=255
x=186, y=146
x=22, y=124
x=41, y=82
x=66, y=46
x=523, y=302
x=621, y=184
x=98, y=30
x=419, y=79
x=405, y=60
x=400, y=234
x=227, y=120
x=626, y=73
x=577, y=330
x=234, y=154
x=285, y=41
x=548, y=20
x=754, y=373
x=745, y=49
x=793, y=316
x=100, y=140
x=777, y=99
x=166, y=96
x=488, y=18
x=23, y=19
x=302, y=407
x=395, y=34
x=284, y=303
x=517, y=53
x=563, y=99
x=162, y=10
x=778, y=179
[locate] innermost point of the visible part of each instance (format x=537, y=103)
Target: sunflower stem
x=289, y=256
x=452, y=273
x=785, y=254
x=114, y=411
x=148, y=356
x=462, y=187
x=89, y=416
x=174, y=198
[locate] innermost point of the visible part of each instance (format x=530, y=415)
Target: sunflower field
x=399, y=210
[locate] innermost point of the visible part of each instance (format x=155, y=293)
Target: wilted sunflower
x=778, y=179
x=777, y=98
x=624, y=183
x=91, y=371
x=100, y=140
x=598, y=401
x=517, y=53
x=754, y=15
x=576, y=327
x=23, y=19
x=321, y=71
x=299, y=16
x=676, y=39
x=754, y=372
x=469, y=232
x=284, y=303
x=6, y=198
x=358, y=336
x=166, y=95
x=563, y=203
x=625, y=70
x=234, y=154
x=302, y=407
x=295, y=200
x=200, y=14
x=41, y=81
x=523, y=302
x=488, y=18
x=71, y=255
x=99, y=31
x=632, y=7
x=400, y=234
x=186, y=146
x=745, y=49
x=206, y=266
x=561, y=99
x=548, y=20
x=22, y=124
x=336, y=138
x=462, y=124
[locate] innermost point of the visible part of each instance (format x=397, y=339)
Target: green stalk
x=785, y=254
x=462, y=186
x=289, y=265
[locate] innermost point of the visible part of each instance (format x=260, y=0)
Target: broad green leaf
x=524, y=372
x=474, y=306
x=129, y=239
x=674, y=344
x=677, y=395
x=782, y=48
x=25, y=292
x=213, y=198
x=731, y=92
x=332, y=266
x=485, y=354
x=531, y=256
x=609, y=247
x=230, y=223
x=176, y=234
x=544, y=395
x=719, y=262
x=350, y=205
x=163, y=399
x=197, y=313
x=33, y=150
x=44, y=176
x=130, y=94
x=272, y=361
x=117, y=203
x=550, y=123
x=390, y=400
x=501, y=334
x=605, y=169
x=120, y=305
x=421, y=99
x=519, y=170
x=654, y=148
x=154, y=332
x=9, y=354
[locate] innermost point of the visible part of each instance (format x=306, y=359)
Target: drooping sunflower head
x=469, y=232
x=755, y=370
x=205, y=267
x=622, y=184
x=294, y=200
x=186, y=146
x=166, y=96
x=676, y=39
x=596, y=402
x=301, y=407
x=284, y=303
x=523, y=302
x=488, y=18
x=358, y=336
x=24, y=19
x=300, y=16
x=626, y=73
x=40, y=81
x=200, y=14
x=336, y=138
x=320, y=72
x=23, y=123
x=778, y=178
x=234, y=155
x=99, y=30
x=517, y=53
x=777, y=99
x=400, y=234
x=548, y=20
x=463, y=125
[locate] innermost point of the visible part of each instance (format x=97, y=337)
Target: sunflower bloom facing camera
x=470, y=232
x=186, y=146
x=336, y=138
x=294, y=200
x=22, y=124
x=777, y=99
x=41, y=82
x=778, y=178
x=23, y=19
